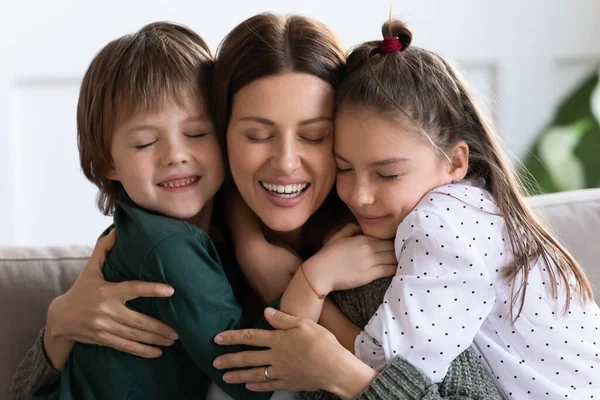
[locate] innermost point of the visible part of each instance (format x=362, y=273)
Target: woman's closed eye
x=314, y=140
x=259, y=137
x=196, y=135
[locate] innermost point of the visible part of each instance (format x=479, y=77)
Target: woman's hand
x=93, y=311
x=349, y=260
x=301, y=356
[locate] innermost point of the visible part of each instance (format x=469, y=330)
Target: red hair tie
x=390, y=45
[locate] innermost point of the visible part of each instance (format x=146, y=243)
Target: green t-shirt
x=154, y=248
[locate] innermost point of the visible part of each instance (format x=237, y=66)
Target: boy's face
x=170, y=161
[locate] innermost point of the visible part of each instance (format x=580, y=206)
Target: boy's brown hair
x=143, y=72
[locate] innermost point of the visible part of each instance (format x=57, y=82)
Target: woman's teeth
x=179, y=182
x=285, y=191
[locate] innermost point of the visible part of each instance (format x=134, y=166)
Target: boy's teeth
x=179, y=182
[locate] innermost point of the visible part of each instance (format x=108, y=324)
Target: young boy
x=147, y=141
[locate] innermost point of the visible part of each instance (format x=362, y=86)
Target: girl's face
x=280, y=142
x=383, y=170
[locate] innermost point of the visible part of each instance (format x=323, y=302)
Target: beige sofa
x=30, y=277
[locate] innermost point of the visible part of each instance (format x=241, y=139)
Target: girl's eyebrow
x=387, y=161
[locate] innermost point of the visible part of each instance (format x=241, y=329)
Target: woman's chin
x=284, y=223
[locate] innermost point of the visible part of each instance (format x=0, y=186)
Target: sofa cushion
x=575, y=220
x=30, y=277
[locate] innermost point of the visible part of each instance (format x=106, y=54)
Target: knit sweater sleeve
x=466, y=379
x=35, y=370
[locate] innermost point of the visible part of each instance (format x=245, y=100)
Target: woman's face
x=280, y=147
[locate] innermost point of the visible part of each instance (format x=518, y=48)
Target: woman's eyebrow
x=260, y=120
x=314, y=120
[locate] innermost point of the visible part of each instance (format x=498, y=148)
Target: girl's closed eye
x=341, y=170
x=389, y=177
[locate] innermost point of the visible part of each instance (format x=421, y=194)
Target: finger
x=139, y=335
x=138, y=321
x=387, y=257
x=130, y=290
x=129, y=346
x=380, y=246
x=243, y=359
x=252, y=337
x=347, y=231
x=281, y=320
x=96, y=261
x=381, y=271
x=269, y=386
x=246, y=375
x=106, y=242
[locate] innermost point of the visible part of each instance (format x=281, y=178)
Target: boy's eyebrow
x=387, y=161
x=144, y=127
x=266, y=121
x=199, y=117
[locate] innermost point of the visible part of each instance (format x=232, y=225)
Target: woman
x=275, y=80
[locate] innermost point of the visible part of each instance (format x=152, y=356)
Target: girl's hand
x=349, y=260
x=301, y=356
x=93, y=311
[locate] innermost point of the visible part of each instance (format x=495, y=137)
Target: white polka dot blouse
x=449, y=293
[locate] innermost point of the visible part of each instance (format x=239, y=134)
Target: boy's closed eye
x=145, y=145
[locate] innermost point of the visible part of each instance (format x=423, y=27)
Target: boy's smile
x=168, y=161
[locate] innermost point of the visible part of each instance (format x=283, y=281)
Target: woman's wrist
x=56, y=347
x=350, y=377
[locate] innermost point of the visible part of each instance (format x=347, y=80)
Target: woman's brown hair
x=427, y=93
x=269, y=44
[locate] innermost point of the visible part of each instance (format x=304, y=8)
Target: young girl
x=417, y=160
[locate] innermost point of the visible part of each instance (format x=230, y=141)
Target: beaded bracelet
x=320, y=296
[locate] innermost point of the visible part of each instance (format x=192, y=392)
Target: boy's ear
x=111, y=174
x=459, y=156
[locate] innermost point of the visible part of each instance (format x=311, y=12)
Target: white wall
x=523, y=55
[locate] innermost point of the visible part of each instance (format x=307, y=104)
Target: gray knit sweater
x=466, y=378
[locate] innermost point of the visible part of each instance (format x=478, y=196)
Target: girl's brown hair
x=269, y=44
x=153, y=68
x=425, y=91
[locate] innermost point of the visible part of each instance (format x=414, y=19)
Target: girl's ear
x=459, y=156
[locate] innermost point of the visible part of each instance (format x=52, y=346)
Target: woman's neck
x=291, y=239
